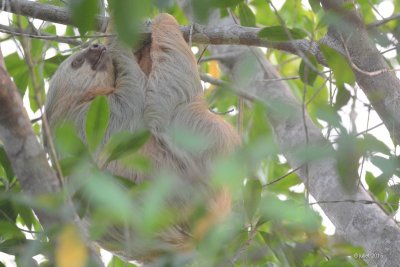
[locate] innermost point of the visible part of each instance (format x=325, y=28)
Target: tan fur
x=157, y=88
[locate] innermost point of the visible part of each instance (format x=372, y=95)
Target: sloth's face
x=84, y=70
x=96, y=57
x=78, y=74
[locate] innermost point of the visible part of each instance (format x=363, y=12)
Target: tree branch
x=383, y=21
x=228, y=34
x=382, y=90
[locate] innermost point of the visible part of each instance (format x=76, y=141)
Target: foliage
x=272, y=223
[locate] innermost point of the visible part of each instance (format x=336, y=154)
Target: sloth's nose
x=97, y=47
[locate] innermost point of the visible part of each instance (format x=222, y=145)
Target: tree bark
x=383, y=88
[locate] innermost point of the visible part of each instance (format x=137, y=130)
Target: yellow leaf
x=71, y=250
x=214, y=69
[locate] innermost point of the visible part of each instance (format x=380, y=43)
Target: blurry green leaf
x=37, y=94
x=251, y=196
x=330, y=115
x=306, y=72
x=18, y=70
x=117, y=262
x=51, y=65
x=97, y=118
x=68, y=164
x=7, y=211
x=288, y=212
x=387, y=165
x=8, y=230
x=67, y=141
x=137, y=162
x=37, y=49
x=347, y=160
x=104, y=193
x=341, y=69
x=157, y=214
x=246, y=16
x=315, y=5
x=84, y=13
x=370, y=143
x=124, y=143
x=26, y=215
x=342, y=97
x=279, y=33
x=202, y=8
x=6, y=164
x=128, y=17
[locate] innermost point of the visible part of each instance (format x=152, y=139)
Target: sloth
x=157, y=88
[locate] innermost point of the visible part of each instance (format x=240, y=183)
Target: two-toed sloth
x=157, y=88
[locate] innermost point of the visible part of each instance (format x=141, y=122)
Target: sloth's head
x=81, y=72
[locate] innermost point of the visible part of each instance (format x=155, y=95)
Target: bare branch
x=383, y=21
x=38, y=35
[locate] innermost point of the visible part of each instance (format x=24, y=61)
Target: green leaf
x=342, y=98
x=246, y=15
x=97, y=119
x=18, y=70
x=67, y=141
x=84, y=14
x=339, y=65
x=252, y=197
x=117, y=262
x=370, y=143
x=289, y=213
x=9, y=230
x=116, y=201
x=124, y=143
x=330, y=115
x=128, y=17
x=347, y=160
x=279, y=33
x=203, y=8
x=51, y=65
x=5, y=162
x=307, y=74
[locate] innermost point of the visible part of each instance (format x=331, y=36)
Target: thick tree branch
x=382, y=89
x=228, y=34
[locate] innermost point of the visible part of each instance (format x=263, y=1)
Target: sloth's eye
x=77, y=62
